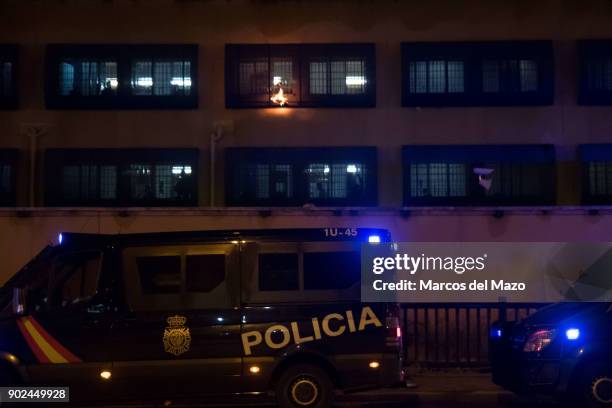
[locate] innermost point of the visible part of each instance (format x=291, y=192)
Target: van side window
x=181, y=276
x=159, y=274
x=204, y=272
x=331, y=270
x=75, y=277
x=278, y=272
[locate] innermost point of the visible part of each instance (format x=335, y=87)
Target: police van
x=155, y=315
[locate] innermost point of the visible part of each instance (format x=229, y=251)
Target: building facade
x=441, y=121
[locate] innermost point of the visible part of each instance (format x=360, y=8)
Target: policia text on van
x=190, y=313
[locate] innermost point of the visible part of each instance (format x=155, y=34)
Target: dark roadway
x=432, y=390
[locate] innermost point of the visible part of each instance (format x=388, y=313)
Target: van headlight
x=538, y=340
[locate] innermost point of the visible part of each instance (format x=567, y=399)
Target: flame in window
x=279, y=97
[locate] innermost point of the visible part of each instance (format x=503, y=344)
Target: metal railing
x=439, y=335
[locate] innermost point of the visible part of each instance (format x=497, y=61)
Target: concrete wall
x=21, y=237
x=212, y=24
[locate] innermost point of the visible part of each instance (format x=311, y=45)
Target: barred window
x=599, y=75
x=437, y=77
x=8, y=85
x=253, y=77
x=438, y=179
x=337, y=77
x=8, y=163
x=327, y=176
x=121, y=76
x=79, y=77
x=338, y=180
x=6, y=78
x=108, y=177
x=479, y=175
x=263, y=181
x=511, y=73
x=596, y=160
x=595, y=72
x=160, y=182
x=509, y=76
x=161, y=78
x=307, y=74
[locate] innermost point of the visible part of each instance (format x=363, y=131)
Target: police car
x=255, y=312
x=563, y=349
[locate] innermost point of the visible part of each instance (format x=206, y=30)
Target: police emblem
x=177, y=337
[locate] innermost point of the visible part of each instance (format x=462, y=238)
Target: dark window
x=479, y=175
x=595, y=72
x=331, y=270
x=204, y=272
x=596, y=162
x=75, y=277
x=8, y=164
x=307, y=74
x=297, y=176
x=278, y=272
x=477, y=73
x=159, y=274
x=8, y=77
x=121, y=76
x=127, y=177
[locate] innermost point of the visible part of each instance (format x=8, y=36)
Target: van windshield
x=33, y=276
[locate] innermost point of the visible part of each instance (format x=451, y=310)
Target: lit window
x=334, y=74
x=109, y=177
x=88, y=78
x=326, y=176
x=85, y=76
x=500, y=73
x=444, y=175
x=436, y=77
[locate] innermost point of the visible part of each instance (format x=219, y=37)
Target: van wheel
x=304, y=386
x=595, y=386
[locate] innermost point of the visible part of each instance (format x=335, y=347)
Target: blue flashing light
x=572, y=334
x=497, y=333
x=374, y=239
x=60, y=238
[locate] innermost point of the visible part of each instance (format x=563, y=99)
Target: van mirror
x=19, y=301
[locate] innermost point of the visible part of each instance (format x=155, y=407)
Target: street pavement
x=459, y=389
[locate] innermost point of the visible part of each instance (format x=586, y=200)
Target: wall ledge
x=25, y=212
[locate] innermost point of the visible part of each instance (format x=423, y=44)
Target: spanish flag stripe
x=46, y=348
x=42, y=358
x=65, y=354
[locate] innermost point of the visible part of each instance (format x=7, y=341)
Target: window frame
x=301, y=54
x=589, y=153
x=124, y=56
x=587, y=51
x=473, y=55
x=471, y=155
x=299, y=158
x=57, y=159
x=10, y=53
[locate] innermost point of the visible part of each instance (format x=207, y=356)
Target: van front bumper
x=524, y=375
